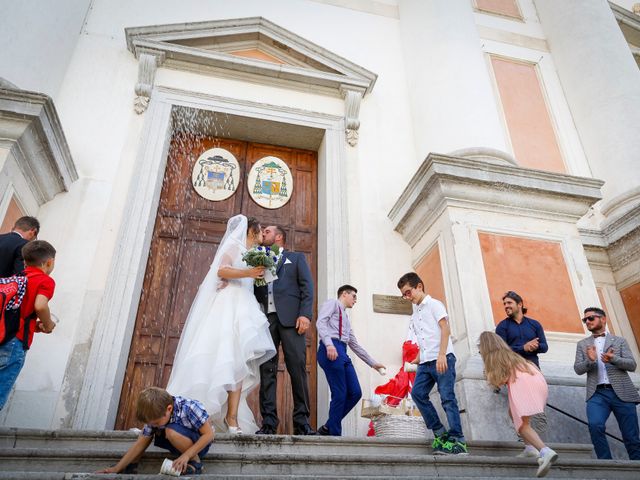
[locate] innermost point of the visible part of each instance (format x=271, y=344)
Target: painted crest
x=216, y=174
x=270, y=182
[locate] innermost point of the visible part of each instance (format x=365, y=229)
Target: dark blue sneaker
x=454, y=447
x=438, y=443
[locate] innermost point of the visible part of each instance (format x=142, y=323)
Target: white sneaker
x=545, y=461
x=528, y=452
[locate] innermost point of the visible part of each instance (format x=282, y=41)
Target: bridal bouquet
x=263, y=257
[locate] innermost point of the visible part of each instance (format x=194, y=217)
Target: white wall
x=95, y=104
x=38, y=38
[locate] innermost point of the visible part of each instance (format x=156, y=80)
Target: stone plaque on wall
x=391, y=304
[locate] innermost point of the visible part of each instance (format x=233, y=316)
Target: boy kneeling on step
x=177, y=424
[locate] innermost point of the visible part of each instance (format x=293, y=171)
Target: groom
x=288, y=304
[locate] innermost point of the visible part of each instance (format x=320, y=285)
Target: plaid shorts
x=160, y=440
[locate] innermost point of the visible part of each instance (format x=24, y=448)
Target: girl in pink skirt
x=527, y=391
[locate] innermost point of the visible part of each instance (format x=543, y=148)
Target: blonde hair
x=152, y=404
x=500, y=362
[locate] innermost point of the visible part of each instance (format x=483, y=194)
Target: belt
x=604, y=385
x=338, y=340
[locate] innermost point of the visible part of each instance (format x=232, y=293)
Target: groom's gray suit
x=293, y=298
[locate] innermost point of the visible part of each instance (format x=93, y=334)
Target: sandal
x=193, y=468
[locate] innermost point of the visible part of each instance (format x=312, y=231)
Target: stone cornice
x=629, y=23
x=311, y=66
x=624, y=16
x=619, y=236
x=160, y=38
x=31, y=125
x=443, y=181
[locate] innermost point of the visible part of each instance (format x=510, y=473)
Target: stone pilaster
x=453, y=105
x=601, y=82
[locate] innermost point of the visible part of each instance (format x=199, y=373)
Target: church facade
x=489, y=145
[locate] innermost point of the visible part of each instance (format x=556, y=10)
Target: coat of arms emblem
x=216, y=174
x=270, y=182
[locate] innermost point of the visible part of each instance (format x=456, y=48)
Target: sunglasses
x=590, y=318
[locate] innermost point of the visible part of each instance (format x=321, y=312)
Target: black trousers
x=295, y=357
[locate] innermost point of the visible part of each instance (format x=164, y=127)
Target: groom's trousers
x=294, y=347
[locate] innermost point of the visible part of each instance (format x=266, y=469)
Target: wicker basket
x=395, y=421
x=400, y=426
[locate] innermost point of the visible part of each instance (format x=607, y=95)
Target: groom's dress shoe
x=324, y=431
x=266, y=430
x=304, y=430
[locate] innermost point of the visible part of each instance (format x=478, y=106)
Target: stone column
x=601, y=82
x=452, y=100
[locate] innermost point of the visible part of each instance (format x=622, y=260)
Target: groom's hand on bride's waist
x=302, y=325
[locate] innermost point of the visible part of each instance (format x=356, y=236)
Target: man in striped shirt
x=335, y=333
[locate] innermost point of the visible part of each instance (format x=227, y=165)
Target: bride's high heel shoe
x=232, y=430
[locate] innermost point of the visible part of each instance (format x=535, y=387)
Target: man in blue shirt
x=524, y=335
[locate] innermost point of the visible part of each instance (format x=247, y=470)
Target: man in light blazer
x=606, y=359
x=288, y=305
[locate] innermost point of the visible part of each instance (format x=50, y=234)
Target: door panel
x=186, y=235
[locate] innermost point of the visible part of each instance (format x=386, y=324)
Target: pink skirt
x=527, y=395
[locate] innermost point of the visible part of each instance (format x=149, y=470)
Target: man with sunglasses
x=335, y=333
x=607, y=359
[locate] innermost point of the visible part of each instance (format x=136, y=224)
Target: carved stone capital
x=31, y=130
x=148, y=62
x=352, y=98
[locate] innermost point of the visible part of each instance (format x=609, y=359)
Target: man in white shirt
x=437, y=365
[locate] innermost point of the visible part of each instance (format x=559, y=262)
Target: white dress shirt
x=424, y=326
x=602, y=369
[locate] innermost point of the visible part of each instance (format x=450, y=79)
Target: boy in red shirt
x=39, y=258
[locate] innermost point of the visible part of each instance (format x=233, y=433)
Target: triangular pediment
x=249, y=46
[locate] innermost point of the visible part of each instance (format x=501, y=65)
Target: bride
x=226, y=336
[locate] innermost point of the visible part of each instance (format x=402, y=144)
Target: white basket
x=400, y=426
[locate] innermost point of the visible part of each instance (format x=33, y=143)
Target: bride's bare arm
x=231, y=272
x=227, y=272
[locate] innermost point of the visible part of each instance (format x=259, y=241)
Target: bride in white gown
x=226, y=336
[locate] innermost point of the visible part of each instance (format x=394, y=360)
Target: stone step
x=120, y=441
x=206, y=476
x=271, y=465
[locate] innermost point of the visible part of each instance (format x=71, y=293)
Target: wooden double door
x=186, y=234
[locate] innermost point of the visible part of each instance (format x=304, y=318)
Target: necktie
x=599, y=335
x=340, y=324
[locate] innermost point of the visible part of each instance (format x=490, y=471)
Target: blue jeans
x=12, y=356
x=160, y=439
x=343, y=383
x=599, y=407
x=426, y=378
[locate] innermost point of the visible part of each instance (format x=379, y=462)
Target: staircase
x=70, y=454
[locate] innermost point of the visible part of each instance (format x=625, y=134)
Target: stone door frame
x=100, y=394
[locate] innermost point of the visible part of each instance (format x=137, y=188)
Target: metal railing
x=559, y=410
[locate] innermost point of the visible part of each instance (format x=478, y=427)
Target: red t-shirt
x=38, y=283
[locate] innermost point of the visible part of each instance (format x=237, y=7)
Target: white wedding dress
x=225, y=338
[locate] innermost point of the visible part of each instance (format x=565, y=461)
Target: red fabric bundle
x=399, y=386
